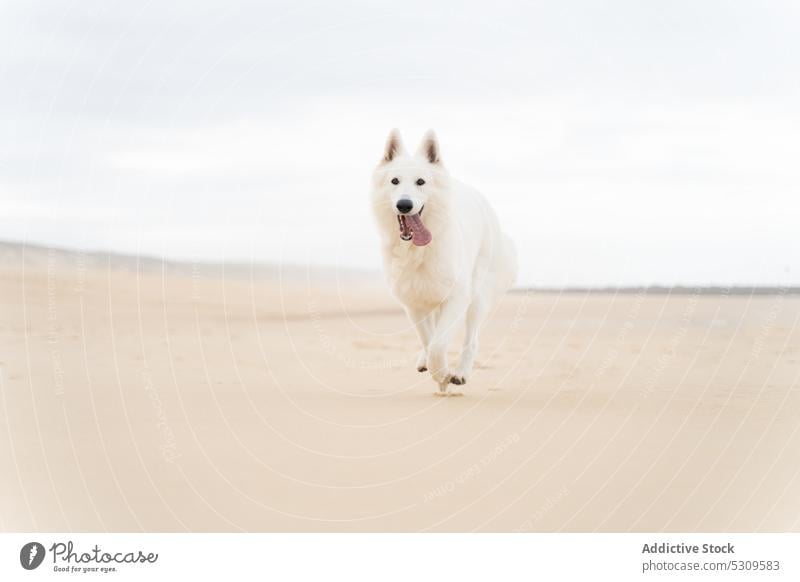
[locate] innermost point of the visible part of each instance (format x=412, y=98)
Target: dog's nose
x=404, y=206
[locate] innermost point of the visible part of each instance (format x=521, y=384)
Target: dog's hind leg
x=475, y=315
x=450, y=314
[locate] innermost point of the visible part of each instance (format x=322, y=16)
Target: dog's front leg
x=423, y=322
x=451, y=313
x=476, y=313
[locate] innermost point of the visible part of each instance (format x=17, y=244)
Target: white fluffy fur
x=460, y=274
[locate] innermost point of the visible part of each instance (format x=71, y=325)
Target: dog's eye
x=420, y=182
x=395, y=181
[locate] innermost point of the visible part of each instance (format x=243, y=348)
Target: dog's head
x=410, y=188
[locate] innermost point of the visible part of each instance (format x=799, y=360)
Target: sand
x=202, y=398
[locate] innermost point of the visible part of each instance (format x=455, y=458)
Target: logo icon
x=31, y=555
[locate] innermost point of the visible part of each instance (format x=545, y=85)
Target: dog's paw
x=443, y=381
x=422, y=362
x=461, y=374
x=441, y=378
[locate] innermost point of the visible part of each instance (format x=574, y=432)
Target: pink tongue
x=420, y=235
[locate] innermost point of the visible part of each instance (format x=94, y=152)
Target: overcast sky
x=621, y=142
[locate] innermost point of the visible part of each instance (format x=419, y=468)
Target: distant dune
x=12, y=253
x=37, y=255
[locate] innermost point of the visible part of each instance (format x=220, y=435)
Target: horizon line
x=652, y=288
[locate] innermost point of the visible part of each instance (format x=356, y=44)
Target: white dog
x=445, y=256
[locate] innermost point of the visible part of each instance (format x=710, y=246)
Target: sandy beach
x=162, y=397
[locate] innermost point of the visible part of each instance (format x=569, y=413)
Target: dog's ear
x=429, y=148
x=394, y=146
